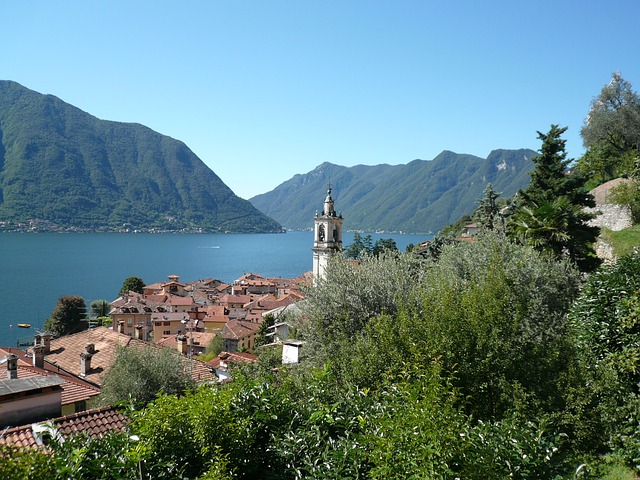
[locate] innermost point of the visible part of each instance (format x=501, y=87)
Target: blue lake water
x=38, y=268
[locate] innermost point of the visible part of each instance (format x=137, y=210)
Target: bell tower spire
x=327, y=236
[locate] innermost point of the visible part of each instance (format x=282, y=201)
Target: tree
x=384, y=245
x=487, y=212
x=139, y=374
x=611, y=132
x=213, y=349
x=350, y=295
x=361, y=246
x=99, y=308
x=550, y=209
x=69, y=316
x=132, y=284
x=614, y=117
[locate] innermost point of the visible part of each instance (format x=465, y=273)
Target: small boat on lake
x=24, y=325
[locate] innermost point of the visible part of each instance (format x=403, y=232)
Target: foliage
x=99, y=308
x=550, y=214
x=351, y=294
x=606, y=319
x=64, y=167
x=114, y=456
x=139, y=374
x=69, y=316
x=132, y=284
x=611, y=133
x=623, y=242
x=486, y=214
x=628, y=194
x=614, y=117
x=363, y=246
x=360, y=247
x=213, y=349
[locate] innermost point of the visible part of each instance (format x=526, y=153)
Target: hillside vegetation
x=418, y=197
x=62, y=166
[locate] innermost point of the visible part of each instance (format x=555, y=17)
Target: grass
x=624, y=241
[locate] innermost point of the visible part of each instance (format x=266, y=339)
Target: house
x=167, y=324
x=91, y=353
x=94, y=423
x=223, y=361
x=28, y=399
x=172, y=287
x=240, y=335
x=76, y=392
x=196, y=342
x=131, y=314
x=216, y=318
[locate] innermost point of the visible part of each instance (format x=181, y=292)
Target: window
x=129, y=322
x=166, y=332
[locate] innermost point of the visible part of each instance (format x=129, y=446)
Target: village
x=50, y=389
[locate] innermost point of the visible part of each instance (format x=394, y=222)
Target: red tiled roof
x=180, y=301
x=94, y=423
x=238, y=329
x=74, y=389
x=65, y=351
x=230, y=357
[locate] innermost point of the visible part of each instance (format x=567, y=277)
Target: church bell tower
x=327, y=237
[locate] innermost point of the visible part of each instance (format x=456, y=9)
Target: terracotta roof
x=238, y=329
x=180, y=301
x=94, y=423
x=228, y=298
x=74, y=389
x=200, y=340
x=225, y=358
x=168, y=316
x=65, y=351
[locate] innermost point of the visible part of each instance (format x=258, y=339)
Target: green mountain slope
x=63, y=166
x=420, y=196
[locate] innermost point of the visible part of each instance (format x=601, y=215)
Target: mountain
x=418, y=197
x=61, y=166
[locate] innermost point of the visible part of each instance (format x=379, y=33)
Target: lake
x=38, y=268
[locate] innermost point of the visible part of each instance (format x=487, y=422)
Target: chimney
x=121, y=326
x=38, y=355
x=85, y=359
x=181, y=341
x=45, y=341
x=12, y=366
x=137, y=332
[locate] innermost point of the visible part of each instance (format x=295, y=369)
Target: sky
x=264, y=90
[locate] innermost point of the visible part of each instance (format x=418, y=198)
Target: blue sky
x=262, y=90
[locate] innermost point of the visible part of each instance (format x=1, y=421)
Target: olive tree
x=139, y=373
x=611, y=131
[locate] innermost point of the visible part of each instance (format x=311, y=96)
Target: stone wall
x=613, y=217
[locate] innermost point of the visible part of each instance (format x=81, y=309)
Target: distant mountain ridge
x=418, y=197
x=62, y=166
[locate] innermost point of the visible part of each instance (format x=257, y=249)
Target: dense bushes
x=466, y=367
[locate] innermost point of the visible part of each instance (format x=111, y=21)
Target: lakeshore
x=38, y=268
